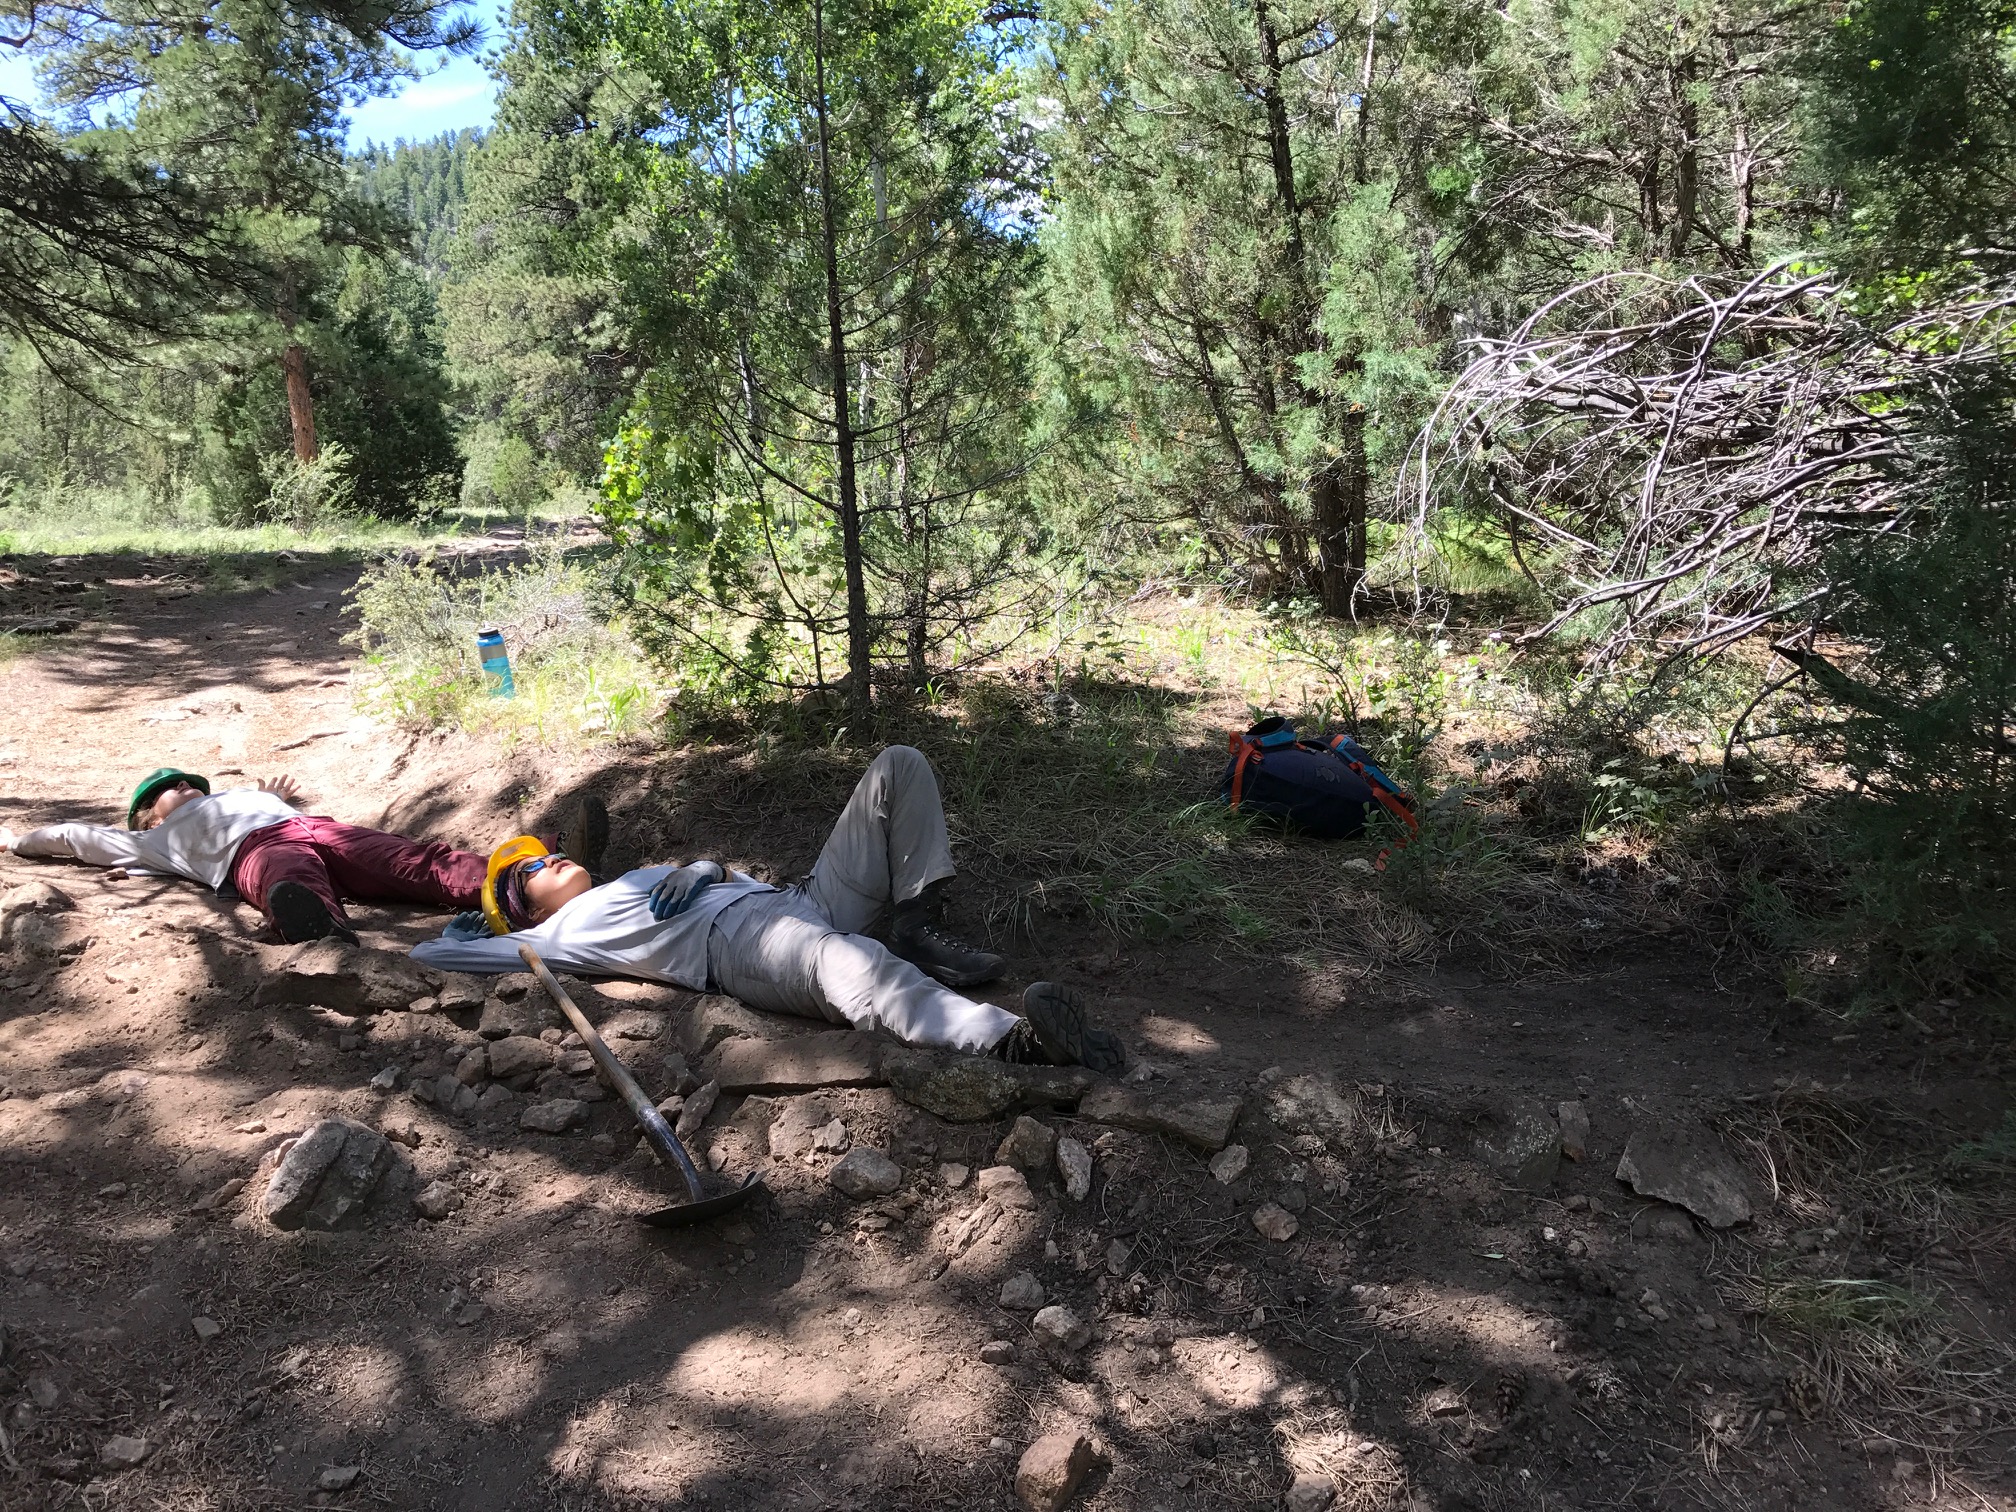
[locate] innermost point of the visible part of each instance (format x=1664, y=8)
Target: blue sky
x=453, y=93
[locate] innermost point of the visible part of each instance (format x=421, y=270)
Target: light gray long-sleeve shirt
x=198, y=841
x=608, y=931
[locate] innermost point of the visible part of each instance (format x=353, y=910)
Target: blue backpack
x=1325, y=790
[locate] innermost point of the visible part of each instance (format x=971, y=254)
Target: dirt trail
x=1433, y=1336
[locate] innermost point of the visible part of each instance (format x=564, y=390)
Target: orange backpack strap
x=1245, y=751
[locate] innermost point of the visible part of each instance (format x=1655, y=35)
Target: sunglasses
x=530, y=867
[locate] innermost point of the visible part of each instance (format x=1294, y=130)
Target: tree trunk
x=1687, y=167
x=849, y=501
x=294, y=364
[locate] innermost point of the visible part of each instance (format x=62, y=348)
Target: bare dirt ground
x=1433, y=1337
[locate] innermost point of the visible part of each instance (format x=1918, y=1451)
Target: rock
x=1275, y=1222
x=473, y=1067
x=1022, y=1292
x=1573, y=1119
x=952, y=1175
x=156, y=1310
x=1230, y=1163
x=715, y=1018
x=865, y=1172
x=1309, y=1493
x=114, y=1189
x=1444, y=1401
x=1116, y=1257
x=436, y=1201
x=459, y=993
x=424, y=1005
x=1059, y=1325
x=1308, y=1105
x=576, y=1062
x=1053, y=1468
x=555, y=1117
x=634, y=1024
x=1522, y=1145
x=1292, y=1197
x=997, y=1352
x=830, y=1138
x=693, y=1112
x=496, y=1098
x=386, y=1080
x=1689, y=1168
x=122, y=1452
x=1007, y=1186
x=1074, y=1166
x=504, y=1017
x=402, y=1131
x=831, y=1058
x=518, y=1055
x=464, y=1101
x=221, y=1196
x=206, y=1329
x=35, y=897
x=796, y=1125
x=340, y=1477
x=978, y=1088
x=1029, y=1144
x=1203, y=1123
x=1661, y=1221
x=346, y=978
x=327, y=1175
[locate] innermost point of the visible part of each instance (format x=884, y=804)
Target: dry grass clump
x=1369, y=1475
x=1854, y=1280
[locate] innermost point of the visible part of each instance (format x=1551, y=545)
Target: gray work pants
x=801, y=950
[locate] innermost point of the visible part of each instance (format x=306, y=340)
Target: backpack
x=1325, y=790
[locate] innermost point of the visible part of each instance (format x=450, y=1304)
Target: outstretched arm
x=93, y=844
x=282, y=787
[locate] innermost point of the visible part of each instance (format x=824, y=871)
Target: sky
x=451, y=94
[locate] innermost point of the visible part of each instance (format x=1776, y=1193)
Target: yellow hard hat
x=502, y=859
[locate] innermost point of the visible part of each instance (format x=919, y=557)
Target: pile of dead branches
x=1671, y=457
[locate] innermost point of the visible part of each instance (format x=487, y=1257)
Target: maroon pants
x=346, y=860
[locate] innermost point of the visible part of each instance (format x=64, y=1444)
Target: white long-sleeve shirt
x=608, y=931
x=198, y=841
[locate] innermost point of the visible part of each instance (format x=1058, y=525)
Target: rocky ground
x=285, y=1228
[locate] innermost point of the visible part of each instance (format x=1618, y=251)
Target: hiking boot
x=584, y=833
x=1054, y=1031
x=299, y=915
x=917, y=937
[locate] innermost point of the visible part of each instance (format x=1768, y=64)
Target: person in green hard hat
x=295, y=868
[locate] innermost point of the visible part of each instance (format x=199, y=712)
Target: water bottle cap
x=487, y=635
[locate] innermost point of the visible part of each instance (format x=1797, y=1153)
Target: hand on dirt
x=282, y=786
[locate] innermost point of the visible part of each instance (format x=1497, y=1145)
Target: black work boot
x=584, y=833
x=1055, y=1032
x=916, y=937
x=300, y=916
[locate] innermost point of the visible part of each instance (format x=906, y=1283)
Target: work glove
x=676, y=891
x=467, y=925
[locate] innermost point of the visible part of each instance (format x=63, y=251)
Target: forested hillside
x=425, y=182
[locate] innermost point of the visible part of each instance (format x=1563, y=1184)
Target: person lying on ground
x=296, y=868
x=799, y=950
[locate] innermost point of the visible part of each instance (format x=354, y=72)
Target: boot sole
x=952, y=978
x=300, y=916
x=1066, y=1035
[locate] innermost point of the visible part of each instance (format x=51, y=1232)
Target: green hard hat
x=154, y=784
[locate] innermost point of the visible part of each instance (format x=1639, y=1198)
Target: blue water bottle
x=496, y=663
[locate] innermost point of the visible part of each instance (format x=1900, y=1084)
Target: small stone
x=865, y=1172
x=518, y=1055
x=348, y=1042
x=496, y=1099
x=997, y=1352
x=122, y=1452
x=254, y=1126
x=830, y=1138
x=113, y=1189
x=1053, y=1468
x=1310, y=1493
x=222, y=1195
x=952, y=1175
x=1022, y=1292
x=1523, y=1144
x=473, y=1067
x=1689, y=1168
x=1074, y=1165
x=424, y=1005
x=436, y=1201
x=1574, y=1120
x=1775, y=1416
x=385, y=1080
x=1444, y=1401
x=1059, y=1325
x=999, y=1445
x=1292, y=1197
x=555, y=1117
x=1230, y=1163
x=206, y=1328
x=1007, y=1186
x=1116, y=1257
x=693, y=1113
x=464, y=1101
x=1275, y=1222
x=402, y=1131
x=1310, y=1105
x=326, y=1175
x=1029, y=1145
x=340, y=1477
x=459, y=993
x=602, y=1144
